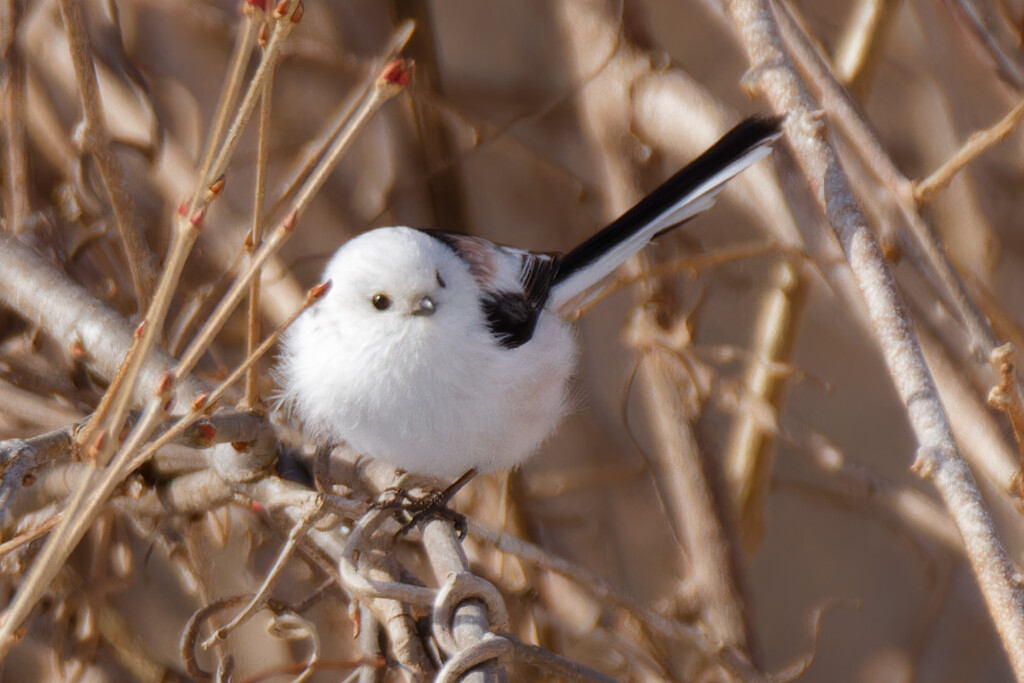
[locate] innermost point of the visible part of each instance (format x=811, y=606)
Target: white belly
x=435, y=409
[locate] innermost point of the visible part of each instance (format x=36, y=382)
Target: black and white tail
x=681, y=197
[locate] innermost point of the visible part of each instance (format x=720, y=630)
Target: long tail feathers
x=681, y=197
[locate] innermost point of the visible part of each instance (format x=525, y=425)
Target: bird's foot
x=410, y=509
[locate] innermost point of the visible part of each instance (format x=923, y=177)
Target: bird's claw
x=410, y=510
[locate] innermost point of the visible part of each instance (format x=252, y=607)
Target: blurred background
x=534, y=123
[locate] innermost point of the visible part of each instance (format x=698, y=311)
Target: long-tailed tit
x=439, y=353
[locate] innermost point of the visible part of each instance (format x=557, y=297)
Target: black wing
x=511, y=313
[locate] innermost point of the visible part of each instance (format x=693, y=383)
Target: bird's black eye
x=381, y=302
x=440, y=280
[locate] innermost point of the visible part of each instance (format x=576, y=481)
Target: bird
x=443, y=353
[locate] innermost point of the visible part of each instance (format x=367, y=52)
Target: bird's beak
x=425, y=306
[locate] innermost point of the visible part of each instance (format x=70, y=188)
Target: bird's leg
x=411, y=510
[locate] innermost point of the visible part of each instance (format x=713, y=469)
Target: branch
x=44, y=295
x=938, y=457
x=96, y=142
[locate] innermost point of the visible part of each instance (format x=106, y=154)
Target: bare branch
x=938, y=457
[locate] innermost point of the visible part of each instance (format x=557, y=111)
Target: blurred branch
x=696, y=505
x=435, y=140
x=748, y=457
x=605, y=594
x=980, y=25
x=938, y=457
x=861, y=44
x=96, y=142
x=12, y=111
x=40, y=410
x=901, y=507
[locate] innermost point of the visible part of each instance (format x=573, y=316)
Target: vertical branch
x=244, y=39
x=1005, y=397
x=464, y=625
x=938, y=457
x=252, y=399
x=696, y=503
x=860, y=46
x=12, y=111
x=290, y=14
x=96, y=142
x=446, y=192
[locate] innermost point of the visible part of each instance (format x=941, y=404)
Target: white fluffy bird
x=440, y=353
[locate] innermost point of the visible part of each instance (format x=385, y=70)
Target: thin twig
x=257, y=600
x=245, y=38
x=977, y=143
x=30, y=535
x=712, y=259
x=1008, y=64
x=255, y=238
x=290, y=13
